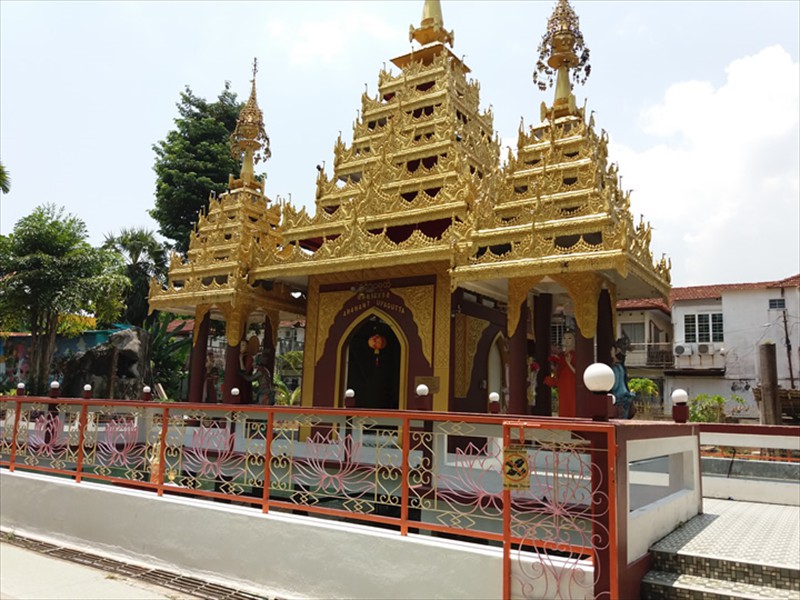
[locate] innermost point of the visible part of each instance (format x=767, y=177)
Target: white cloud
x=326, y=40
x=721, y=184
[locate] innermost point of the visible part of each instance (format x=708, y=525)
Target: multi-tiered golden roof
x=419, y=191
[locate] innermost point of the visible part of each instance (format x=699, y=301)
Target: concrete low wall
x=285, y=555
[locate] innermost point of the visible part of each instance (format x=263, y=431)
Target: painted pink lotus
x=118, y=447
x=212, y=453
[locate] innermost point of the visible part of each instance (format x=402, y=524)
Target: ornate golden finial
x=431, y=28
x=249, y=141
x=562, y=49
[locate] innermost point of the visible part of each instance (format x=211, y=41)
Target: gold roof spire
x=431, y=28
x=562, y=49
x=249, y=141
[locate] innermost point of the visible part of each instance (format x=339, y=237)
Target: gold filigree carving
x=199, y=314
x=469, y=331
x=584, y=289
x=330, y=305
x=419, y=300
x=517, y=296
x=460, y=382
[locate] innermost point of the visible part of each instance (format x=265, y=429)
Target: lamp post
x=87, y=391
x=147, y=393
x=349, y=398
x=599, y=379
x=20, y=389
x=680, y=408
x=55, y=389
x=422, y=401
x=494, y=403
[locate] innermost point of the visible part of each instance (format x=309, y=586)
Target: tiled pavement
x=34, y=569
x=733, y=550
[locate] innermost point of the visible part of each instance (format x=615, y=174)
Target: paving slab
x=25, y=574
x=750, y=532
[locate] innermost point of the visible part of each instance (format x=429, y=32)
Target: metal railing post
x=506, y=526
x=162, y=449
x=14, y=436
x=404, y=491
x=267, y=461
x=81, y=438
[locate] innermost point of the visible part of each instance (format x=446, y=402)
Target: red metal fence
x=544, y=489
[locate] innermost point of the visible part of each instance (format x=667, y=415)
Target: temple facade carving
x=427, y=257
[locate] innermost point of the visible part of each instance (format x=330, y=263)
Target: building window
x=705, y=327
x=635, y=333
x=777, y=303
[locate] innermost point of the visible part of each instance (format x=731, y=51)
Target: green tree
x=193, y=160
x=168, y=352
x=145, y=257
x=49, y=271
x=5, y=180
x=705, y=408
x=289, y=361
x=643, y=387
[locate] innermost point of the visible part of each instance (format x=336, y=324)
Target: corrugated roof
x=707, y=292
x=793, y=281
x=643, y=304
x=703, y=292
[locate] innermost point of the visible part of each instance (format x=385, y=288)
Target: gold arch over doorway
x=401, y=338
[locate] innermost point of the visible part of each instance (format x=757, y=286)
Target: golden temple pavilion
x=427, y=259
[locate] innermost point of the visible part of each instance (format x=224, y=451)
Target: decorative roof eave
x=455, y=209
x=179, y=301
x=352, y=263
x=531, y=171
x=618, y=265
x=512, y=206
x=517, y=232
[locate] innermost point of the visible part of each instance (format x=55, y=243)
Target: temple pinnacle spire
x=562, y=50
x=249, y=141
x=431, y=28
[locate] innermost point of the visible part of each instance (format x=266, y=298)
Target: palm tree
x=5, y=180
x=145, y=257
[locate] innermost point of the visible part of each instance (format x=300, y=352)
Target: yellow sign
x=516, y=475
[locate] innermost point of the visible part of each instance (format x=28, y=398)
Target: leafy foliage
x=168, y=352
x=5, y=180
x=194, y=160
x=283, y=395
x=705, y=408
x=289, y=361
x=48, y=271
x=145, y=258
x=643, y=387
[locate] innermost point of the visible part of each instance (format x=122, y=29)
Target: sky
x=701, y=101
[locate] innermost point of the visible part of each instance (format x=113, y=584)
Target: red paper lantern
x=377, y=343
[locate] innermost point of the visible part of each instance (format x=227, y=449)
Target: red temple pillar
x=518, y=364
x=542, y=313
x=584, y=356
x=197, y=366
x=605, y=327
x=271, y=324
x=233, y=376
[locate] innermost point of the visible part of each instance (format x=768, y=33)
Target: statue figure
x=623, y=397
x=562, y=376
x=263, y=378
x=212, y=376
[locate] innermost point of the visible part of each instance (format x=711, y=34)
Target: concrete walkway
x=28, y=575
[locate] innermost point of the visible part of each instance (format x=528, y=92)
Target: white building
x=707, y=340
x=717, y=333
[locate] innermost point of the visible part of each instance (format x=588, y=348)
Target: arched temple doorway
x=372, y=364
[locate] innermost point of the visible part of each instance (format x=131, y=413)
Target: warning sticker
x=516, y=475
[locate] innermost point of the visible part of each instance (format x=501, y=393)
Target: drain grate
x=166, y=579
